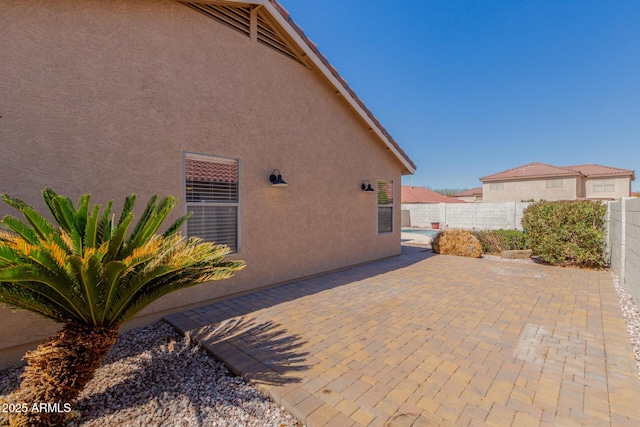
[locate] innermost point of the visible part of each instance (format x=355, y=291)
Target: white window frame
x=554, y=183
x=389, y=205
x=496, y=186
x=604, y=185
x=235, y=204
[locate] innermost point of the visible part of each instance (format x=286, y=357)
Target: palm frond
x=129, y=202
x=20, y=228
x=43, y=228
x=37, y=282
x=105, y=226
x=91, y=230
x=175, y=227
x=64, y=212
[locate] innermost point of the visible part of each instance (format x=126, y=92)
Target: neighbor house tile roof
x=469, y=193
x=540, y=170
x=599, y=170
x=411, y=194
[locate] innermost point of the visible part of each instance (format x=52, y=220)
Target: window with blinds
x=385, y=206
x=604, y=185
x=553, y=183
x=211, y=185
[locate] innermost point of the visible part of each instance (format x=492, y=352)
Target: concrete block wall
x=614, y=235
x=624, y=243
x=469, y=216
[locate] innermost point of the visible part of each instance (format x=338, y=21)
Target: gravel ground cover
x=155, y=377
x=631, y=316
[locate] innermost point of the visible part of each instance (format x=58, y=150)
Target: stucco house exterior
x=471, y=195
x=539, y=181
x=204, y=101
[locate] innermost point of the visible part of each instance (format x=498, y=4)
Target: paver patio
x=423, y=339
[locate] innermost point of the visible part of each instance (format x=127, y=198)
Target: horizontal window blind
x=604, y=185
x=554, y=183
x=385, y=206
x=212, y=196
x=215, y=224
x=385, y=219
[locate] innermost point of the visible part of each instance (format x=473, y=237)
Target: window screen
x=212, y=196
x=604, y=185
x=385, y=206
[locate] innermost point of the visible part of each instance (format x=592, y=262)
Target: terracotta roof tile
x=469, y=193
x=596, y=170
x=411, y=194
x=530, y=170
x=536, y=170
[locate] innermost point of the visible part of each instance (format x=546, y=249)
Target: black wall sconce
x=366, y=186
x=276, y=179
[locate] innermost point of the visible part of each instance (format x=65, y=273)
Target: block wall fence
x=468, y=216
x=623, y=243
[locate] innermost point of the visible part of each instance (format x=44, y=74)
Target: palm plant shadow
x=263, y=353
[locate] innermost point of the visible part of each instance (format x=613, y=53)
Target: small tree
x=91, y=275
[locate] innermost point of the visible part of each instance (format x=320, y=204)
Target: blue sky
x=472, y=88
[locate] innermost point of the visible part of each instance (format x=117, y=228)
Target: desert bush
x=496, y=241
x=567, y=232
x=456, y=242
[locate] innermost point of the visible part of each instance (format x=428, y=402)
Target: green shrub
x=567, y=232
x=496, y=241
x=456, y=242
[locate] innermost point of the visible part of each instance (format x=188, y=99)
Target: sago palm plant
x=91, y=274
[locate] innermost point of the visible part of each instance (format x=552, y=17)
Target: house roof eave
x=530, y=177
x=332, y=75
x=320, y=62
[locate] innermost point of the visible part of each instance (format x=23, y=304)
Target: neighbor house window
x=212, y=196
x=385, y=206
x=554, y=183
x=496, y=186
x=604, y=185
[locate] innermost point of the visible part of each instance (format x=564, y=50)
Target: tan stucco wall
x=106, y=96
x=515, y=191
x=622, y=188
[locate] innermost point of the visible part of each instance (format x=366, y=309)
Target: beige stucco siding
x=622, y=187
x=106, y=96
x=535, y=189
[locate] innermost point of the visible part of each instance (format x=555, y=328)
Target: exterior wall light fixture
x=276, y=179
x=366, y=186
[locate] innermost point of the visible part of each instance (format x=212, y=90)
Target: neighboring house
x=472, y=195
x=411, y=194
x=539, y=181
x=204, y=101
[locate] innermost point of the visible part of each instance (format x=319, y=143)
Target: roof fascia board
x=327, y=74
x=532, y=177
x=611, y=175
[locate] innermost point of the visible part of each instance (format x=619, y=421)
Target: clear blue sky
x=471, y=88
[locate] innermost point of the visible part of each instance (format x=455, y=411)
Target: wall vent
x=239, y=19
x=268, y=35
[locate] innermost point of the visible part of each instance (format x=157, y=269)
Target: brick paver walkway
x=419, y=340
